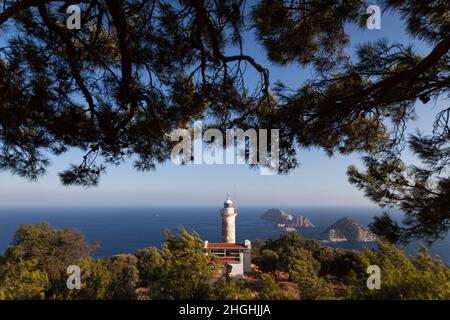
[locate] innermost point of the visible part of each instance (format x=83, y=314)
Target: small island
x=347, y=229
x=286, y=221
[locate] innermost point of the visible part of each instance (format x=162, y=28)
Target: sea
x=124, y=230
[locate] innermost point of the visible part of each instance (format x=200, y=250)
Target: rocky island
x=286, y=221
x=347, y=229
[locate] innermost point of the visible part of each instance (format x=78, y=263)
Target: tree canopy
x=184, y=270
x=40, y=247
x=418, y=277
x=138, y=69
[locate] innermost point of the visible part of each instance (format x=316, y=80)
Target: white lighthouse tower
x=238, y=256
x=229, y=214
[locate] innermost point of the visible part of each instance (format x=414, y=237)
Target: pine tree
x=185, y=271
x=402, y=276
x=22, y=281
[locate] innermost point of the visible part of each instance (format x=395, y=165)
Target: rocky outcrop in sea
x=347, y=229
x=286, y=221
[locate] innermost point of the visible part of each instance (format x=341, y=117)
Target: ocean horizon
x=126, y=229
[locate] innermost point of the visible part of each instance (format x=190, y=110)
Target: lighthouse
x=228, y=213
x=235, y=258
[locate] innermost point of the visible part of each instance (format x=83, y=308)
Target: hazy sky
x=319, y=181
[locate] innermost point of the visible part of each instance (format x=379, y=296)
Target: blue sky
x=319, y=181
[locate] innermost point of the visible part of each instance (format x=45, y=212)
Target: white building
x=237, y=255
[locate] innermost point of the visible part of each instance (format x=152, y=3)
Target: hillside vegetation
x=290, y=267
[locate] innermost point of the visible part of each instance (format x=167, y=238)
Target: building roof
x=225, y=245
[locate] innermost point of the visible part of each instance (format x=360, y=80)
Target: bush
x=305, y=273
x=339, y=263
x=232, y=290
x=124, y=276
x=95, y=281
x=185, y=271
x=268, y=261
x=279, y=255
x=52, y=249
x=271, y=290
x=149, y=260
x=22, y=280
x=402, y=276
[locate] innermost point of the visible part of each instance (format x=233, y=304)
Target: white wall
x=238, y=271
